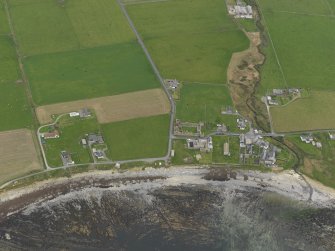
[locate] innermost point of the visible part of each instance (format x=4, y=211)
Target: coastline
x=287, y=183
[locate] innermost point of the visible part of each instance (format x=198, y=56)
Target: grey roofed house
x=95, y=139
x=84, y=113
x=66, y=158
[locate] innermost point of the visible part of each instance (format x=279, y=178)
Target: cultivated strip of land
x=18, y=154
x=113, y=108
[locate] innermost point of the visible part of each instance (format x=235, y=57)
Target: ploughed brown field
x=18, y=155
x=113, y=108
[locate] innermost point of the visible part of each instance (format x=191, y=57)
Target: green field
x=14, y=109
x=72, y=130
x=137, y=138
x=189, y=40
x=201, y=102
x=303, y=36
x=89, y=73
x=311, y=113
x=72, y=25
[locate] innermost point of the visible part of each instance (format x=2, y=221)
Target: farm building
x=85, y=113
x=95, y=139
x=226, y=151
x=202, y=144
x=74, y=114
x=268, y=157
x=307, y=138
x=240, y=10
x=66, y=158
x=51, y=135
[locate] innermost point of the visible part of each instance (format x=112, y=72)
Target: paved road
x=156, y=71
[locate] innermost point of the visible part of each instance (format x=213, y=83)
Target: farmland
x=299, y=51
x=14, y=109
x=201, y=46
x=67, y=26
x=311, y=113
x=88, y=50
x=112, y=108
x=89, y=73
x=138, y=138
x=18, y=155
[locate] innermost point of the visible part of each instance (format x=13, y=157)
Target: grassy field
x=314, y=112
x=188, y=48
x=89, y=73
x=201, y=102
x=137, y=138
x=305, y=47
x=66, y=26
x=14, y=110
x=72, y=131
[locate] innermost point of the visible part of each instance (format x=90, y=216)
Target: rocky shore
x=179, y=208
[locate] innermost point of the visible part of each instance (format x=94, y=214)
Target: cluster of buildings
x=95, y=139
x=202, y=144
x=272, y=98
x=82, y=113
x=253, y=146
x=240, y=10
x=172, y=84
x=309, y=139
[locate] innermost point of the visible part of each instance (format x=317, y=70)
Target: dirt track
x=113, y=108
x=18, y=154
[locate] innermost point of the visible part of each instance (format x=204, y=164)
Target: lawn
x=311, y=113
x=188, y=48
x=201, y=102
x=89, y=73
x=14, y=109
x=72, y=130
x=234, y=148
x=138, y=138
